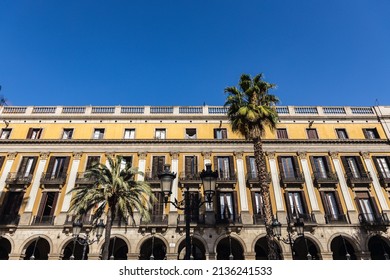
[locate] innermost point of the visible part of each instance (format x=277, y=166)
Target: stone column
x=69, y=186
x=26, y=216
x=310, y=188
x=141, y=165
x=245, y=216
x=375, y=182
x=280, y=211
x=351, y=211
x=7, y=168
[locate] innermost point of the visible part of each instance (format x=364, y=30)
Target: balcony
x=384, y=180
x=374, y=219
x=15, y=178
x=307, y=218
x=252, y=178
x=155, y=221
x=195, y=219
x=259, y=219
x=83, y=179
x=50, y=179
x=353, y=180
x=296, y=178
x=234, y=220
x=226, y=177
x=152, y=177
x=9, y=219
x=43, y=220
x=336, y=219
x=321, y=178
x=190, y=178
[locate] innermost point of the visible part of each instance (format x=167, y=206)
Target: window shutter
x=248, y=164
x=66, y=165
x=224, y=133
x=51, y=165
x=339, y=205
x=374, y=206
x=4, y=208
x=1, y=161
x=360, y=165
x=157, y=205
x=378, y=169
x=288, y=205
x=154, y=166
x=304, y=202
x=42, y=204
x=313, y=165
x=345, y=164
x=29, y=133
x=188, y=165
x=53, y=207
x=281, y=170
x=161, y=162
x=296, y=166
x=23, y=165
x=328, y=164
x=216, y=166
x=195, y=164
x=215, y=133
x=219, y=212
x=366, y=135
x=325, y=203
x=231, y=167
x=235, y=206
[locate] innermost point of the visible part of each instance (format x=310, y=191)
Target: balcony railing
x=307, y=218
x=224, y=176
x=384, y=179
x=258, y=219
x=9, y=219
x=190, y=177
x=374, y=219
x=151, y=176
x=43, y=220
x=195, y=219
x=50, y=179
x=16, y=178
x=364, y=178
x=85, y=219
x=234, y=219
x=82, y=179
x=296, y=178
x=336, y=219
x=325, y=178
x=253, y=177
x=156, y=220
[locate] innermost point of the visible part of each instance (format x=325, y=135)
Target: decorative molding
x=44, y=155
x=206, y=155
x=302, y=155
x=12, y=155
x=334, y=155
x=365, y=155
x=238, y=155
x=110, y=154
x=175, y=155
x=142, y=155
x=271, y=155
x=77, y=155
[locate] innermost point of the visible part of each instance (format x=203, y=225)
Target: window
x=341, y=133
x=366, y=206
x=289, y=167
x=353, y=166
x=190, y=133
x=332, y=206
x=382, y=166
x=5, y=133
x=58, y=166
x=160, y=133
x=34, y=133
x=321, y=166
x=251, y=167
x=257, y=201
x=227, y=202
x=98, y=133
x=158, y=207
x=312, y=133
x=11, y=206
x=92, y=161
x=157, y=166
x=220, y=133
x=129, y=133
x=281, y=133
x=126, y=160
x=47, y=207
x=27, y=166
x=1, y=161
x=67, y=133
x=191, y=166
x=296, y=205
x=371, y=133
x=225, y=167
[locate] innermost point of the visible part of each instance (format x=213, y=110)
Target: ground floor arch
x=379, y=248
x=229, y=248
x=5, y=248
x=198, y=251
x=153, y=248
x=261, y=249
x=342, y=248
x=37, y=249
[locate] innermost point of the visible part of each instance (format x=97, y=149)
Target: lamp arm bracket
x=178, y=204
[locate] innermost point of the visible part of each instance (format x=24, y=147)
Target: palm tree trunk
x=265, y=193
x=107, y=234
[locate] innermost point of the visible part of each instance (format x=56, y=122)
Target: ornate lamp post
x=209, y=179
x=299, y=227
x=76, y=228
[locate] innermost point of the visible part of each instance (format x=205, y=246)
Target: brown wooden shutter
x=216, y=166
x=288, y=205
x=304, y=203
x=235, y=206
x=231, y=167
x=161, y=162
x=313, y=165
x=366, y=135
x=325, y=203
x=42, y=204
x=281, y=170
x=328, y=164
x=188, y=165
x=345, y=164
x=158, y=204
x=339, y=205
x=154, y=166
x=50, y=167
x=23, y=165
x=53, y=207
x=224, y=133
x=1, y=161
x=29, y=133
x=215, y=133
x=296, y=166
x=248, y=164
x=360, y=165
x=66, y=165
x=378, y=169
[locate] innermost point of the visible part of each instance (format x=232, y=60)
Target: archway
x=76, y=250
x=229, y=248
x=342, y=249
x=5, y=248
x=304, y=248
x=118, y=249
x=153, y=249
x=198, y=251
x=38, y=249
x=379, y=248
x=261, y=249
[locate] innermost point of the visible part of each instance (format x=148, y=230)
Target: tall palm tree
x=251, y=109
x=115, y=192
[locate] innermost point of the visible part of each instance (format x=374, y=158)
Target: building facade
x=327, y=166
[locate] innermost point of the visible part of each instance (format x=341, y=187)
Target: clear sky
x=185, y=52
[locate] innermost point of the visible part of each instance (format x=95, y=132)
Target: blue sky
x=185, y=52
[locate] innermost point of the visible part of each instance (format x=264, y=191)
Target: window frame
x=371, y=133
x=66, y=131
x=312, y=133
x=131, y=135
x=194, y=136
x=101, y=133
x=342, y=131
x=220, y=133
x=4, y=133
x=281, y=133
x=160, y=131
x=33, y=130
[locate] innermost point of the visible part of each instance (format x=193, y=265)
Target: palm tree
x=251, y=109
x=115, y=191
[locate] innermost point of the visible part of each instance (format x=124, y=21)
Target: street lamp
x=299, y=228
x=76, y=229
x=209, y=180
